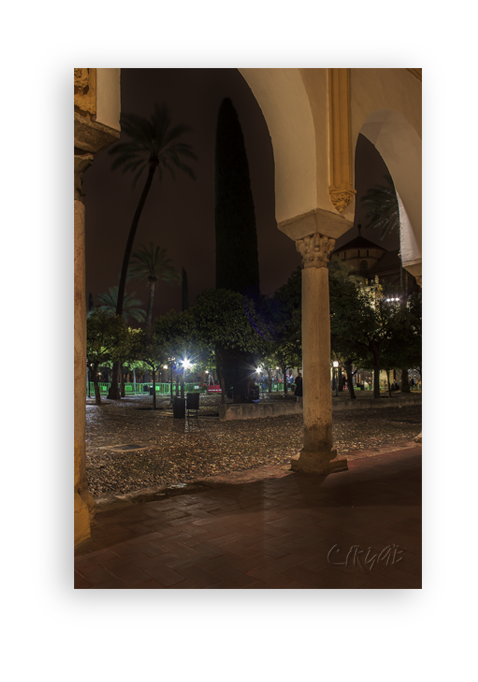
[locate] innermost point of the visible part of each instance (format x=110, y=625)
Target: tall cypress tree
x=237, y=259
x=185, y=291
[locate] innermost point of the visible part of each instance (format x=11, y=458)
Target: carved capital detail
x=315, y=250
x=85, y=92
x=341, y=197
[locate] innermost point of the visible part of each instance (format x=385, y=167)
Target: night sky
x=179, y=214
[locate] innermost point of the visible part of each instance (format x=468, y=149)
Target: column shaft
x=317, y=454
x=84, y=502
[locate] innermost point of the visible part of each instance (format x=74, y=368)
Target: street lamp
x=336, y=377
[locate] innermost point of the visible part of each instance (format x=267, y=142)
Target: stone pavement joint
x=276, y=533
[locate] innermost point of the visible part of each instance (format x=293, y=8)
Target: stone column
x=317, y=455
x=96, y=126
x=83, y=500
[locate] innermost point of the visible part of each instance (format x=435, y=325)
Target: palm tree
x=109, y=301
x=150, y=262
x=153, y=145
x=382, y=204
x=343, y=271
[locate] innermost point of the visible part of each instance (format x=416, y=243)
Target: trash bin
x=145, y=388
x=192, y=402
x=179, y=408
x=151, y=390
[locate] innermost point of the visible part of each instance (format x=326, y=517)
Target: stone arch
x=284, y=101
x=400, y=146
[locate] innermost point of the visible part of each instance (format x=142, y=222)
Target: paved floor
x=288, y=532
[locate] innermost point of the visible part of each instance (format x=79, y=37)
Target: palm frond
x=152, y=140
x=382, y=204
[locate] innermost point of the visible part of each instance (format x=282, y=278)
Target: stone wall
x=277, y=408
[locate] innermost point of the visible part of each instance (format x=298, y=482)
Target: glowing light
x=187, y=364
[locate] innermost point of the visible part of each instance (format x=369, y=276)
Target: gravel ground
x=130, y=447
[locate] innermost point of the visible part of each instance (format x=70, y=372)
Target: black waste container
x=179, y=408
x=192, y=402
x=145, y=388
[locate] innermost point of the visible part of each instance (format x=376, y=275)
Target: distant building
x=374, y=263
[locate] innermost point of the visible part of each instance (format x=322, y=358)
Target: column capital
x=315, y=250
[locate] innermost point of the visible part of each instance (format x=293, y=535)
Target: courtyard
x=133, y=450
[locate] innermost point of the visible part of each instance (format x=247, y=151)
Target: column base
x=314, y=463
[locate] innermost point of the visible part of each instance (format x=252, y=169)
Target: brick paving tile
x=200, y=576
x=270, y=534
x=303, y=575
x=177, y=547
x=124, y=550
x=113, y=584
x=154, y=561
x=382, y=582
x=282, y=539
x=296, y=585
x=246, y=564
x=270, y=577
x=165, y=575
x=81, y=582
x=239, y=549
x=221, y=561
x=128, y=573
x=94, y=558
x=272, y=551
x=152, y=584
x=258, y=585
x=141, y=540
x=330, y=578
x=233, y=578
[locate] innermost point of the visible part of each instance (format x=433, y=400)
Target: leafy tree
x=150, y=263
x=176, y=334
x=150, y=350
x=227, y=324
x=154, y=146
x=106, y=341
x=367, y=325
x=405, y=348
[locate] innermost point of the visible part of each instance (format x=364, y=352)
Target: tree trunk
x=222, y=384
x=95, y=382
x=114, y=393
x=149, y=312
x=388, y=384
x=122, y=381
x=171, y=382
x=284, y=373
x=154, y=388
x=376, y=380
x=405, y=386
x=350, y=382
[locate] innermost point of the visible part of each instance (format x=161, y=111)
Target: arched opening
x=399, y=145
x=179, y=216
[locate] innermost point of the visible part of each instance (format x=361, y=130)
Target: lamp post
x=336, y=377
